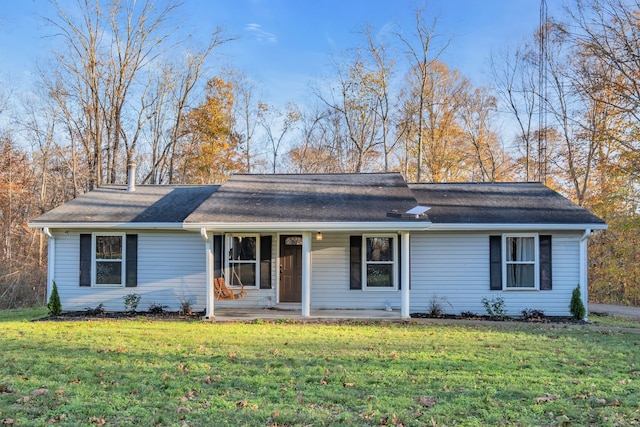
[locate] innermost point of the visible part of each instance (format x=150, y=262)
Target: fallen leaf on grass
x=601, y=401
x=426, y=401
x=241, y=403
x=59, y=392
x=547, y=398
x=348, y=384
x=98, y=421
x=180, y=409
x=56, y=419
x=39, y=392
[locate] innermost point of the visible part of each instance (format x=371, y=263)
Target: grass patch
x=614, y=321
x=142, y=372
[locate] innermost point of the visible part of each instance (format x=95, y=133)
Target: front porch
x=244, y=314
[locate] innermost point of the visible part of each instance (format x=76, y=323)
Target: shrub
x=185, y=307
x=576, y=307
x=54, y=306
x=157, y=308
x=532, y=314
x=131, y=302
x=435, y=305
x=468, y=315
x=495, y=307
x=95, y=311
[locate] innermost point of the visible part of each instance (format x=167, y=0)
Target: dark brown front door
x=290, y=268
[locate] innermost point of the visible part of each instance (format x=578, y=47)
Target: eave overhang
x=391, y=226
x=108, y=225
x=515, y=227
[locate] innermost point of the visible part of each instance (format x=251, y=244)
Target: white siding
x=170, y=269
x=330, y=278
x=454, y=268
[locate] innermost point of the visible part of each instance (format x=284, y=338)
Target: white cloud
x=260, y=35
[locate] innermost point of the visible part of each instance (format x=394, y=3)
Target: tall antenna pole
x=542, y=93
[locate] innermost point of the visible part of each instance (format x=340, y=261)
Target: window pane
x=520, y=276
x=379, y=249
x=243, y=248
x=244, y=274
x=380, y=275
x=108, y=247
x=520, y=249
x=109, y=273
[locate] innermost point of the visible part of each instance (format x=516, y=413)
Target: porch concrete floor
x=242, y=314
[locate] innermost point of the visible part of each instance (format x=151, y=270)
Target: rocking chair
x=222, y=293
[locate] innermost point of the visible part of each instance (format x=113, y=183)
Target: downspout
x=208, y=253
x=51, y=260
x=584, y=267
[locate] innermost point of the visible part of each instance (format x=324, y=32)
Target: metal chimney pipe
x=131, y=176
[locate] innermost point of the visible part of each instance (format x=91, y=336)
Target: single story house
x=320, y=241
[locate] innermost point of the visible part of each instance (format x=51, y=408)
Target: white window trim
x=227, y=262
x=365, y=263
x=536, y=262
x=94, y=260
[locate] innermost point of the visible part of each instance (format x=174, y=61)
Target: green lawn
x=140, y=372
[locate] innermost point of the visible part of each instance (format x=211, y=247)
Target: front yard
x=147, y=372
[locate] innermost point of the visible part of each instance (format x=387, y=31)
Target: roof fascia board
x=515, y=227
x=108, y=225
x=311, y=226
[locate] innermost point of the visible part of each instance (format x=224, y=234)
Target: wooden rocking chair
x=222, y=293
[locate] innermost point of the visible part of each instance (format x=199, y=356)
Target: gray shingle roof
x=508, y=203
x=307, y=198
x=320, y=198
x=114, y=204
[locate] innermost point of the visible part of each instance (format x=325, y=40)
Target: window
x=520, y=255
x=380, y=262
x=108, y=256
x=242, y=260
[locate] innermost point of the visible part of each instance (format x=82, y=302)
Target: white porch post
x=404, y=270
x=306, y=274
x=584, y=271
x=208, y=262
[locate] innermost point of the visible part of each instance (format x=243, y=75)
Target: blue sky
x=283, y=45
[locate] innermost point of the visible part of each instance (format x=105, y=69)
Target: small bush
x=95, y=311
x=157, y=308
x=529, y=314
x=435, y=305
x=54, y=306
x=468, y=315
x=185, y=307
x=131, y=302
x=495, y=308
x=576, y=307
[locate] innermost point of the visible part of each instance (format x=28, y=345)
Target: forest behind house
x=114, y=93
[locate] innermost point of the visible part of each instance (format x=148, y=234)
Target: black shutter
x=495, y=263
x=545, y=262
x=217, y=256
x=265, y=262
x=355, y=262
x=131, y=267
x=85, y=260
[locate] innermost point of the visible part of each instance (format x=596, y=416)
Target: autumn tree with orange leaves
x=212, y=149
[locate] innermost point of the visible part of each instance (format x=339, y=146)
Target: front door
x=290, y=268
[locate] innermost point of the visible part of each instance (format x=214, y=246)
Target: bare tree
x=277, y=124
x=105, y=79
x=421, y=60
